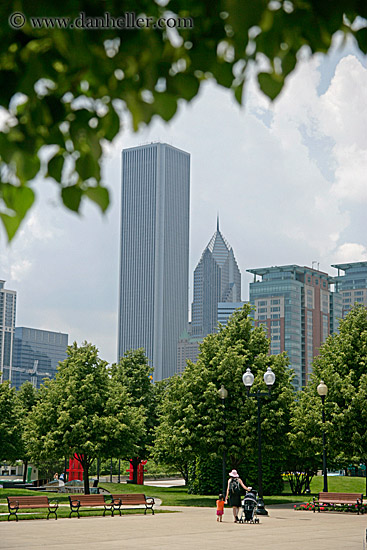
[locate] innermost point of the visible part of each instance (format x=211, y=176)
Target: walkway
x=189, y=529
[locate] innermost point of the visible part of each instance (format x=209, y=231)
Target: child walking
x=220, y=507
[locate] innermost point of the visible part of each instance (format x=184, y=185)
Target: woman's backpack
x=234, y=487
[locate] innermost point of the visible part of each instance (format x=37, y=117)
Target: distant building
x=226, y=309
x=298, y=310
x=36, y=355
x=8, y=300
x=187, y=350
x=155, y=207
x=216, y=279
x=352, y=285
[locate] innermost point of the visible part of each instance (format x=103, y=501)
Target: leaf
x=99, y=195
x=165, y=105
x=269, y=85
x=111, y=124
x=71, y=197
x=55, y=166
x=87, y=167
x=19, y=200
x=361, y=36
x=27, y=165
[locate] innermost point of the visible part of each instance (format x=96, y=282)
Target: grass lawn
x=178, y=496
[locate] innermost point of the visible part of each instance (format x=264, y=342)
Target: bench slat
x=28, y=503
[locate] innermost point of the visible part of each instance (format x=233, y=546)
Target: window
x=275, y=316
x=358, y=293
x=275, y=309
x=262, y=303
x=262, y=309
x=262, y=316
x=274, y=302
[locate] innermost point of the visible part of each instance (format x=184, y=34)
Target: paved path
x=189, y=529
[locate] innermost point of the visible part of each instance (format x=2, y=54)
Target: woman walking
x=234, y=493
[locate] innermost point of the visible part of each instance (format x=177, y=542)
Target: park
x=285, y=444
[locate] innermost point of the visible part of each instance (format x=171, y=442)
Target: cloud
x=350, y=252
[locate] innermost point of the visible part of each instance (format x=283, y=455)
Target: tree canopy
x=81, y=412
x=193, y=418
x=342, y=364
x=63, y=89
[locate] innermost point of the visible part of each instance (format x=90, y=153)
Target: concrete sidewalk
x=191, y=529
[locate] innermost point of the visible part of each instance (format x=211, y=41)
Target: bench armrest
x=149, y=500
x=75, y=502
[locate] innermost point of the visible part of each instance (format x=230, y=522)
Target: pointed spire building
x=216, y=279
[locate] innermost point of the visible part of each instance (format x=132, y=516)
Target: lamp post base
x=261, y=508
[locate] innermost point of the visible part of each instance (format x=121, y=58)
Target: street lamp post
x=223, y=394
x=248, y=380
x=322, y=391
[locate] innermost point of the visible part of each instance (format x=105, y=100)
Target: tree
x=169, y=442
x=64, y=89
x=195, y=415
x=10, y=432
x=304, y=451
x=81, y=413
x=26, y=398
x=342, y=364
x=134, y=374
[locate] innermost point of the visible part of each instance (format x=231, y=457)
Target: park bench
x=133, y=500
x=27, y=503
x=333, y=499
x=90, y=501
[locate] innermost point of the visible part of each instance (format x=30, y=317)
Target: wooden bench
x=28, y=503
x=332, y=499
x=133, y=500
x=90, y=501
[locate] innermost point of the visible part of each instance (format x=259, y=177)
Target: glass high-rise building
x=216, y=279
x=155, y=206
x=8, y=299
x=352, y=285
x=36, y=355
x=298, y=310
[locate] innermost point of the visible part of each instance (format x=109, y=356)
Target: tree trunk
x=85, y=465
x=25, y=467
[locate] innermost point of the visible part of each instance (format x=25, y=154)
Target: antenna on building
x=217, y=221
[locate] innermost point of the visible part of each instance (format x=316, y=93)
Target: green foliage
x=81, y=411
x=64, y=89
x=193, y=422
x=10, y=432
x=304, y=455
x=342, y=364
x=133, y=374
x=205, y=476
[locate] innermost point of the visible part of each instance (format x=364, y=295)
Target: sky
x=288, y=180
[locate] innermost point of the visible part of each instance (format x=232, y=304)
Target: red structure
x=75, y=470
x=141, y=471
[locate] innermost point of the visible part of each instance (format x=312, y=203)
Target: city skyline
x=288, y=180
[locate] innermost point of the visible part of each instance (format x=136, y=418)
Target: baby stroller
x=249, y=508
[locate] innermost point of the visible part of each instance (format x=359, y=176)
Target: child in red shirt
x=220, y=507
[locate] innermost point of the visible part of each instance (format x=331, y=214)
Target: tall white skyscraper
x=154, y=252
x=8, y=300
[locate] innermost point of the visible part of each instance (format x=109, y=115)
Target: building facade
x=217, y=278
x=187, y=350
x=154, y=253
x=352, y=285
x=8, y=302
x=226, y=309
x=36, y=355
x=298, y=309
